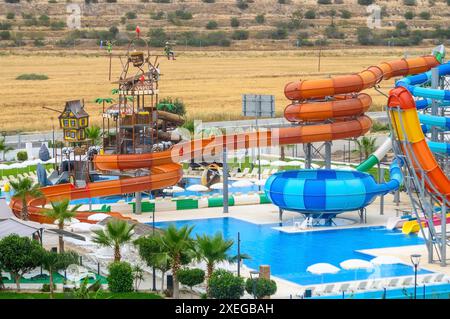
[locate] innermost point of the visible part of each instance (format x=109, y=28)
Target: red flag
x=142, y=78
x=138, y=31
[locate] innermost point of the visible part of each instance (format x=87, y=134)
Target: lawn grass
x=61, y=295
x=17, y=171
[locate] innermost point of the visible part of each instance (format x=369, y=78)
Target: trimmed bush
x=224, y=285
x=22, y=156
x=191, y=277
x=120, y=278
x=240, y=35
x=212, y=25
x=263, y=287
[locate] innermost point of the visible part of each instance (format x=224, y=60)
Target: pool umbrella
x=386, y=260
x=322, y=269
x=173, y=189
x=260, y=182
x=242, y=183
x=355, y=264
x=197, y=188
x=278, y=163
x=217, y=186
x=98, y=217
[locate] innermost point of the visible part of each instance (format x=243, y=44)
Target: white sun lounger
x=244, y=172
x=254, y=172
x=35, y=272
x=362, y=285
x=438, y=278
x=424, y=279
x=6, y=275
x=393, y=282
x=408, y=281
x=344, y=287
x=328, y=289
x=375, y=284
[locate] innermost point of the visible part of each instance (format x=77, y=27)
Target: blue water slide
x=327, y=191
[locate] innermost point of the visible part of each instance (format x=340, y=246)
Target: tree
x=4, y=148
x=214, y=249
x=138, y=276
x=211, y=25
x=94, y=133
x=19, y=255
x=60, y=211
x=191, y=277
x=310, y=14
x=234, y=22
x=224, y=285
x=260, y=18
x=366, y=146
x=176, y=243
x=52, y=261
x=117, y=233
x=263, y=287
x=409, y=15
x=24, y=188
x=153, y=252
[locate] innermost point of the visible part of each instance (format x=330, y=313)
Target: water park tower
x=134, y=124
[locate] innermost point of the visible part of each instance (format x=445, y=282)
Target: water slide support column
x=308, y=154
x=381, y=181
x=225, y=180
x=328, y=154
x=138, y=203
x=434, y=104
x=444, y=234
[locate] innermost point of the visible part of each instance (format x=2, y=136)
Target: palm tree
x=24, y=188
x=103, y=100
x=94, y=133
x=214, y=249
x=4, y=148
x=117, y=233
x=61, y=212
x=366, y=146
x=177, y=243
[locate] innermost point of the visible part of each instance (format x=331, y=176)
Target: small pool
x=289, y=254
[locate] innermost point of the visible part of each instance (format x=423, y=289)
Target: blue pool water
x=290, y=254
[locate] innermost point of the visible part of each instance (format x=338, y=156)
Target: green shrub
x=120, y=278
x=5, y=35
x=157, y=15
x=57, y=25
x=46, y=287
x=183, y=14
x=212, y=25
x=234, y=22
x=410, y=2
x=22, y=156
x=191, y=277
x=263, y=287
x=240, y=35
x=365, y=2
x=39, y=43
x=44, y=20
x=12, y=1
x=130, y=27
x=409, y=15
x=224, y=285
x=260, y=18
x=161, y=1
x=158, y=37
x=323, y=1
x=131, y=15
x=332, y=32
x=242, y=4
x=379, y=127
x=32, y=77
x=171, y=105
x=321, y=42
x=208, y=1
x=5, y=26
x=345, y=14
x=10, y=15
x=425, y=15
x=279, y=34
x=310, y=14
x=283, y=1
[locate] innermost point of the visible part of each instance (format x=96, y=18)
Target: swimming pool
x=289, y=254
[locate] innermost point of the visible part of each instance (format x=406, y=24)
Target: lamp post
x=153, y=268
x=415, y=260
x=254, y=272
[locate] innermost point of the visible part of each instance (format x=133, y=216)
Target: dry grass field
x=210, y=83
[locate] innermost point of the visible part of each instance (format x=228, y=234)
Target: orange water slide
x=408, y=130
